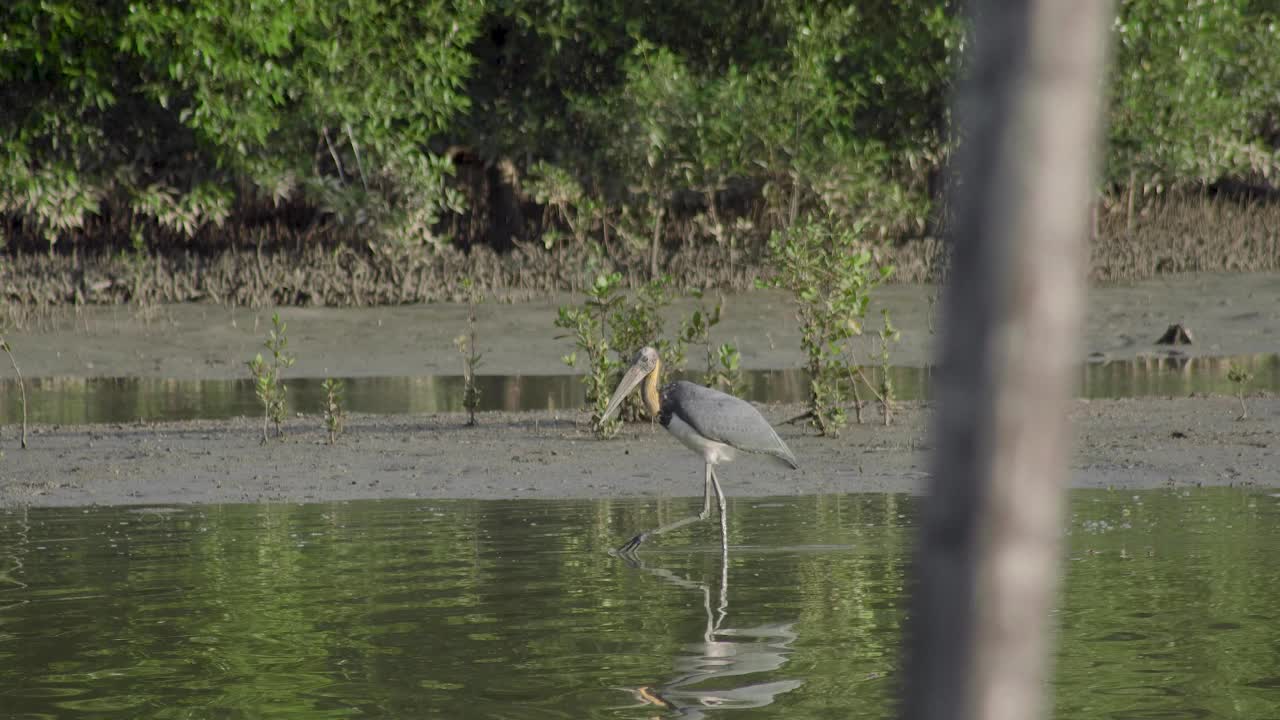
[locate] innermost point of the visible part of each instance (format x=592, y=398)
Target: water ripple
x=515, y=609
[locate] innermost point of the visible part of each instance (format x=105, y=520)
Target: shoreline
x=1230, y=315
x=1128, y=444
x=1138, y=443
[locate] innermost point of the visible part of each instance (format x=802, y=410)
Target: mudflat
x=1229, y=314
x=1118, y=443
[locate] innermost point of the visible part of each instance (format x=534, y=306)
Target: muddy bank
x=1123, y=444
x=1230, y=314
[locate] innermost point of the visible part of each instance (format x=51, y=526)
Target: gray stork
x=711, y=423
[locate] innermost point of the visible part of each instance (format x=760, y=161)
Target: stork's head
x=644, y=364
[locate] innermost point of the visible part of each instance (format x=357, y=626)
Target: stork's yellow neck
x=650, y=391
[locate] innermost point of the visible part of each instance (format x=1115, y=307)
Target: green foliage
x=615, y=117
x=206, y=203
x=1241, y=378
x=270, y=390
x=557, y=190
x=334, y=415
x=51, y=200
x=884, y=391
x=849, y=127
x=265, y=385
x=724, y=370
x=338, y=98
x=170, y=109
x=696, y=329
x=649, y=116
x=609, y=328
x=637, y=321
x=22, y=386
x=57, y=82
x=590, y=328
x=842, y=116
x=724, y=361
x=830, y=275
x=1195, y=93
x=81, y=133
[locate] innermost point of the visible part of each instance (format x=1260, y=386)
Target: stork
x=711, y=423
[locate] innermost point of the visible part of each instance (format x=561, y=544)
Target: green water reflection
x=513, y=609
x=60, y=400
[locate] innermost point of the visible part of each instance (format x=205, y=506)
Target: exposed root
x=274, y=265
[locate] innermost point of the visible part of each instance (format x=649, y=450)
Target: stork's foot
x=630, y=546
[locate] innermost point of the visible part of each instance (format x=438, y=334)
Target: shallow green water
x=113, y=400
x=513, y=609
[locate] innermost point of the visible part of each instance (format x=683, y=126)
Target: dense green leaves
x=1196, y=95
x=340, y=97
x=830, y=274
x=174, y=108
x=736, y=118
x=59, y=84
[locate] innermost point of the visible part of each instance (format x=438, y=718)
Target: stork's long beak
x=629, y=383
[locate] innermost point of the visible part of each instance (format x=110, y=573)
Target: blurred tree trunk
x=658, y=217
x=495, y=212
x=506, y=221
x=986, y=566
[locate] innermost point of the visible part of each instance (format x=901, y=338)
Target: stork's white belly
x=713, y=452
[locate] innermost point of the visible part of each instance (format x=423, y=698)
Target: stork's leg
x=633, y=543
x=724, y=516
x=706, y=493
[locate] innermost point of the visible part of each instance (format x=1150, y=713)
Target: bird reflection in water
x=721, y=657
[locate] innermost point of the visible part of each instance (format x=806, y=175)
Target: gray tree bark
x=986, y=567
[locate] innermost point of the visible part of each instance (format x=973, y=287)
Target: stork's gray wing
x=727, y=419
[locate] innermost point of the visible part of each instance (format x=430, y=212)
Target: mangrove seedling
x=830, y=277
x=888, y=335
x=637, y=323
x=588, y=325
x=22, y=386
x=724, y=371
x=884, y=391
x=1240, y=378
x=608, y=329
x=268, y=387
x=933, y=308
x=142, y=292
x=466, y=345
x=722, y=362
x=334, y=415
